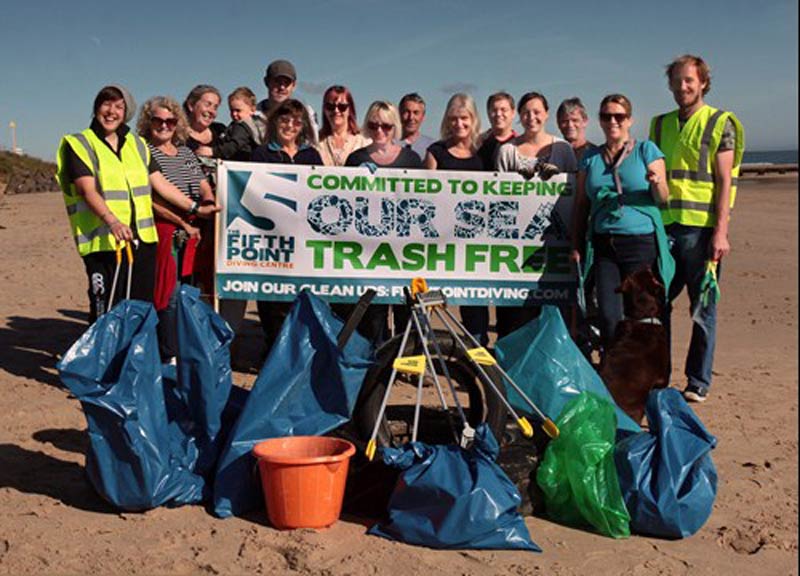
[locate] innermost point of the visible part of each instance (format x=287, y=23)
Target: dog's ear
x=653, y=282
x=628, y=285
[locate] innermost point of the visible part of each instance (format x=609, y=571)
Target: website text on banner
x=483, y=238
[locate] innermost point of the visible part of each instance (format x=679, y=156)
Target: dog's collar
x=651, y=320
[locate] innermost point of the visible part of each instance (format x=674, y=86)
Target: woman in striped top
x=163, y=125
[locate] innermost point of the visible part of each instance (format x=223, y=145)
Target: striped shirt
x=183, y=170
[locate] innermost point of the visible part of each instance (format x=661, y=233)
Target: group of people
x=662, y=203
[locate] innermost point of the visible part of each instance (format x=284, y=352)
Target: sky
x=55, y=56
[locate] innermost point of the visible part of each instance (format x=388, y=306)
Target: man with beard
x=281, y=81
x=703, y=149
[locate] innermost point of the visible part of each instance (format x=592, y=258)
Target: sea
x=770, y=157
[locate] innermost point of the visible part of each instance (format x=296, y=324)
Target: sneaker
x=694, y=393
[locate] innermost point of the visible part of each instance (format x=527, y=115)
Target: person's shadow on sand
x=33, y=472
x=30, y=347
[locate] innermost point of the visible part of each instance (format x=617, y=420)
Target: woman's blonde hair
x=456, y=103
x=389, y=113
x=167, y=103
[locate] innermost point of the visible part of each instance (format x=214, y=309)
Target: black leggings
x=100, y=268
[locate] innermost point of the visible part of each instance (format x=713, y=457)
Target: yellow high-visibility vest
x=689, y=156
x=119, y=180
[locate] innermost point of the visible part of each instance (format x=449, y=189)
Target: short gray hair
x=569, y=106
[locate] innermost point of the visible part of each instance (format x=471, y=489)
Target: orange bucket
x=303, y=479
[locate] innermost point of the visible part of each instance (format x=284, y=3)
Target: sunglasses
x=291, y=121
x=341, y=106
x=385, y=126
x=168, y=122
x=619, y=117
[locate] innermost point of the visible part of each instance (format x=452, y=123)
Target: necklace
x=337, y=154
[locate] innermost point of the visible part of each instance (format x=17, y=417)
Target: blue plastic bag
x=543, y=360
x=308, y=386
x=137, y=460
x=667, y=477
x=451, y=498
x=204, y=374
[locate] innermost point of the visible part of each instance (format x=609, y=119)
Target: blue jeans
x=617, y=256
x=690, y=249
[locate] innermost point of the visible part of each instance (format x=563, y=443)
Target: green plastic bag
x=578, y=475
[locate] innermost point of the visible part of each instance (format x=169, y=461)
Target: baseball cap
x=281, y=68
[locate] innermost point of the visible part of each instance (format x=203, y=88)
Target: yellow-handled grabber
x=372, y=445
x=480, y=356
x=129, y=254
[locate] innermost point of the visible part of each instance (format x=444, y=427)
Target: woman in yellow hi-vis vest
x=106, y=174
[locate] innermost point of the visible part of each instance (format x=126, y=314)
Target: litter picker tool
x=129, y=254
x=423, y=327
x=467, y=433
x=372, y=445
x=417, y=366
x=480, y=357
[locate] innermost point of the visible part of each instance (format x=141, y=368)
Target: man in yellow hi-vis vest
x=703, y=149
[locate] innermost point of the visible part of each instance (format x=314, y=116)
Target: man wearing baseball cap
x=281, y=80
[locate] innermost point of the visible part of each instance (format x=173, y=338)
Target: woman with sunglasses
x=382, y=126
x=164, y=127
x=534, y=152
x=290, y=138
x=339, y=135
x=617, y=225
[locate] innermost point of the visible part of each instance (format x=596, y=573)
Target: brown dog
x=638, y=359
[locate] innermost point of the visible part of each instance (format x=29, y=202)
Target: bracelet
x=193, y=209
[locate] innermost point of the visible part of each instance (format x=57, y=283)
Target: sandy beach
x=52, y=521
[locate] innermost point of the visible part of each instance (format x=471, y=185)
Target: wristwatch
x=193, y=209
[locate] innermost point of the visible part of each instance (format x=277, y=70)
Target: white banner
x=481, y=237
